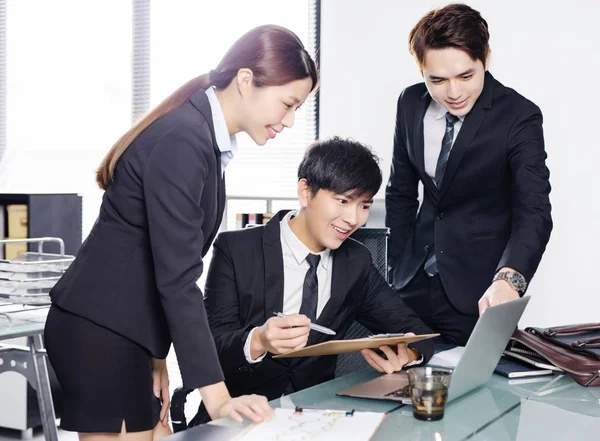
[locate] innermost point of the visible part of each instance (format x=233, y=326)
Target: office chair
x=375, y=239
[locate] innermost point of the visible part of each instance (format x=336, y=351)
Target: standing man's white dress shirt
x=434, y=128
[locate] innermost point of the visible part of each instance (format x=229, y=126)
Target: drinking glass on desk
x=429, y=391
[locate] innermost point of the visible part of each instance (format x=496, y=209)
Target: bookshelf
x=41, y=215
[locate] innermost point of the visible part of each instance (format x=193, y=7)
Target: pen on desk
x=348, y=412
x=312, y=326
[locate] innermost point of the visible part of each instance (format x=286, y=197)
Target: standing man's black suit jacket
x=492, y=209
x=244, y=288
x=136, y=272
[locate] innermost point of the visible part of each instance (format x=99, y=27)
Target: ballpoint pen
x=312, y=326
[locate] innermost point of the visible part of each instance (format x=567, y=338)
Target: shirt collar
x=440, y=111
x=225, y=142
x=298, y=249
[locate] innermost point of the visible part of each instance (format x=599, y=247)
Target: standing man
x=478, y=148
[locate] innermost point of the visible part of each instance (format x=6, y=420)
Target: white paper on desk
x=285, y=402
x=448, y=358
x=317, y=425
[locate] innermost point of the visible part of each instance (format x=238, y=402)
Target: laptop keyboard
x=403, y=392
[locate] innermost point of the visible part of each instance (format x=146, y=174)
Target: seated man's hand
x=393, y=361
x=280, y=334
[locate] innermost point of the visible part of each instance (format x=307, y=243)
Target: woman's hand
x=219, y=404
x=160, y=386
x=253, y=407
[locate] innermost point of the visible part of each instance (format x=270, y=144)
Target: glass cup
x=429, y=391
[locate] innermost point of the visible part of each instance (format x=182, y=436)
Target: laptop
x=475, y=367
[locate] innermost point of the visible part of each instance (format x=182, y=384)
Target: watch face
x=517, y=280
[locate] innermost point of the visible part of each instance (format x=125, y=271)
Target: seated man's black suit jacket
x=245, y=287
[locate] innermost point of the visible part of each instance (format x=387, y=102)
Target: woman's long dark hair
x=274, y=54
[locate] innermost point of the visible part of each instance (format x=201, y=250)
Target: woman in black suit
x=132, y=291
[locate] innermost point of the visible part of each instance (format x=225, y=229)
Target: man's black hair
x=341, y=166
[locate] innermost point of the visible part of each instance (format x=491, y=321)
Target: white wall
x=546, y=51
x=68, y=95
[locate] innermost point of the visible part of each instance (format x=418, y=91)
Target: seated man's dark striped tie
x=310, y=290
x=430, y=266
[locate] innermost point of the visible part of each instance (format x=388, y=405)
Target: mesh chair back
x=376, y=241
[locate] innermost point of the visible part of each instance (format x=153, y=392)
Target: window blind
x=2, y=78
x=189, y=38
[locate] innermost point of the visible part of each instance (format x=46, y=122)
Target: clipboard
x=335, y=347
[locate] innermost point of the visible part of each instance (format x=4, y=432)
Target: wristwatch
x=515, y=279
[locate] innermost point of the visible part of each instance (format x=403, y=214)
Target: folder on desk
x=335, y=347
x=512, y=368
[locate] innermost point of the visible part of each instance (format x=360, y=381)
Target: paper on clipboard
x=335, y=347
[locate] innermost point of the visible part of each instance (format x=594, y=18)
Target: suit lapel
x=339, y=291
x=461, y=145
x=221, y=197
x=419, y=141
x=468, y=130
x=200, y=102
x=273, y=264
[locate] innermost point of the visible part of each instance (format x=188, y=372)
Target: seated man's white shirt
x=295, y=267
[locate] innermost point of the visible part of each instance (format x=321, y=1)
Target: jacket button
x=427, y=247
x=441, y=251
x=440, y=215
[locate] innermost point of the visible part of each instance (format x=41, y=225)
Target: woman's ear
x=244, y=80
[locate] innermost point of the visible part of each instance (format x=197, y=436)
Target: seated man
x=302, y=263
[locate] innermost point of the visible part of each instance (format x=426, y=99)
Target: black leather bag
x=575, y=349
